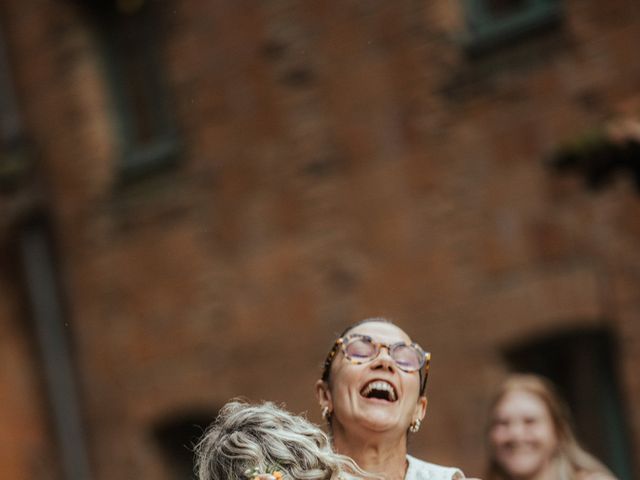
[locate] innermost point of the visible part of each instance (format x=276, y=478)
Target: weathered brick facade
x=338, y=160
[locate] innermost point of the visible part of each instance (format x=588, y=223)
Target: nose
x=516, y=430
x=384, y=359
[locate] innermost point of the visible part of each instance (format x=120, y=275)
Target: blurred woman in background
x=530, y=437
x=372, y=395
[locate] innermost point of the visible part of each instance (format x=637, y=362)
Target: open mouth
x=379, y=389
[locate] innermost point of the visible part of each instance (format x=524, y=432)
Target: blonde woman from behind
x=265, y=442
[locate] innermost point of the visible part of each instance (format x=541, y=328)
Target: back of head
x=247, y=439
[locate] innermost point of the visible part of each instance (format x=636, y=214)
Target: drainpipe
x=42, y=289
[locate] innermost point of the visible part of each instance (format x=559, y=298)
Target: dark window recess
x=177, y=436
x=492, y=23
x=599, y=160
x=131, y=33
x=582, y=364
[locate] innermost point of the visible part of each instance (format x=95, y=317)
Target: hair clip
x=256, y=474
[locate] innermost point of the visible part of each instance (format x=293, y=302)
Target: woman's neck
x=375, y=455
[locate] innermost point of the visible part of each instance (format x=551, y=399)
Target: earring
x=415, y=426
x=326, y=414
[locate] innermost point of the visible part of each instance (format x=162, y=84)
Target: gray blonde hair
x=266, y=437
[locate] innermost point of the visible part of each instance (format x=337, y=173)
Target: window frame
x=137, y=158
x=485, y=31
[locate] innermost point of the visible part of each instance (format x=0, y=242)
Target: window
x=176, y=436
x=581, y=363
x=494, y=22
x=130, y=35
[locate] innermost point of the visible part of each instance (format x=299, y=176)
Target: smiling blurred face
x=376, y=396
x=523, y=437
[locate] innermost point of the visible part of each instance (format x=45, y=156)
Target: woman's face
x=351, y=395
x=522, y=436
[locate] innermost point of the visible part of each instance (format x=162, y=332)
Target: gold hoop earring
x=415, y=426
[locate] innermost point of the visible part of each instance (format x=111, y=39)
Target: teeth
x=381, y=386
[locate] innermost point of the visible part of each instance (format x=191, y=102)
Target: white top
x=419, y=470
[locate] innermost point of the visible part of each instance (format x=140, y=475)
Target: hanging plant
x=600, y=155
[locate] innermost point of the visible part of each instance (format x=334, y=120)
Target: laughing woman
x=372, y=394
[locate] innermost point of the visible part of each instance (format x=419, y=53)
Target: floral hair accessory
x=256, y=474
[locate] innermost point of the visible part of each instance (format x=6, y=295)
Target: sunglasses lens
x=408, y=358
x=360, y=349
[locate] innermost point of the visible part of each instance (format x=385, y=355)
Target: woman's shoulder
x=421, y=470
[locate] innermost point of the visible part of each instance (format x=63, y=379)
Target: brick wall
x=339, y=160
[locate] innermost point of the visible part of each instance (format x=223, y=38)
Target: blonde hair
x=571, y=460
x=267, y=438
